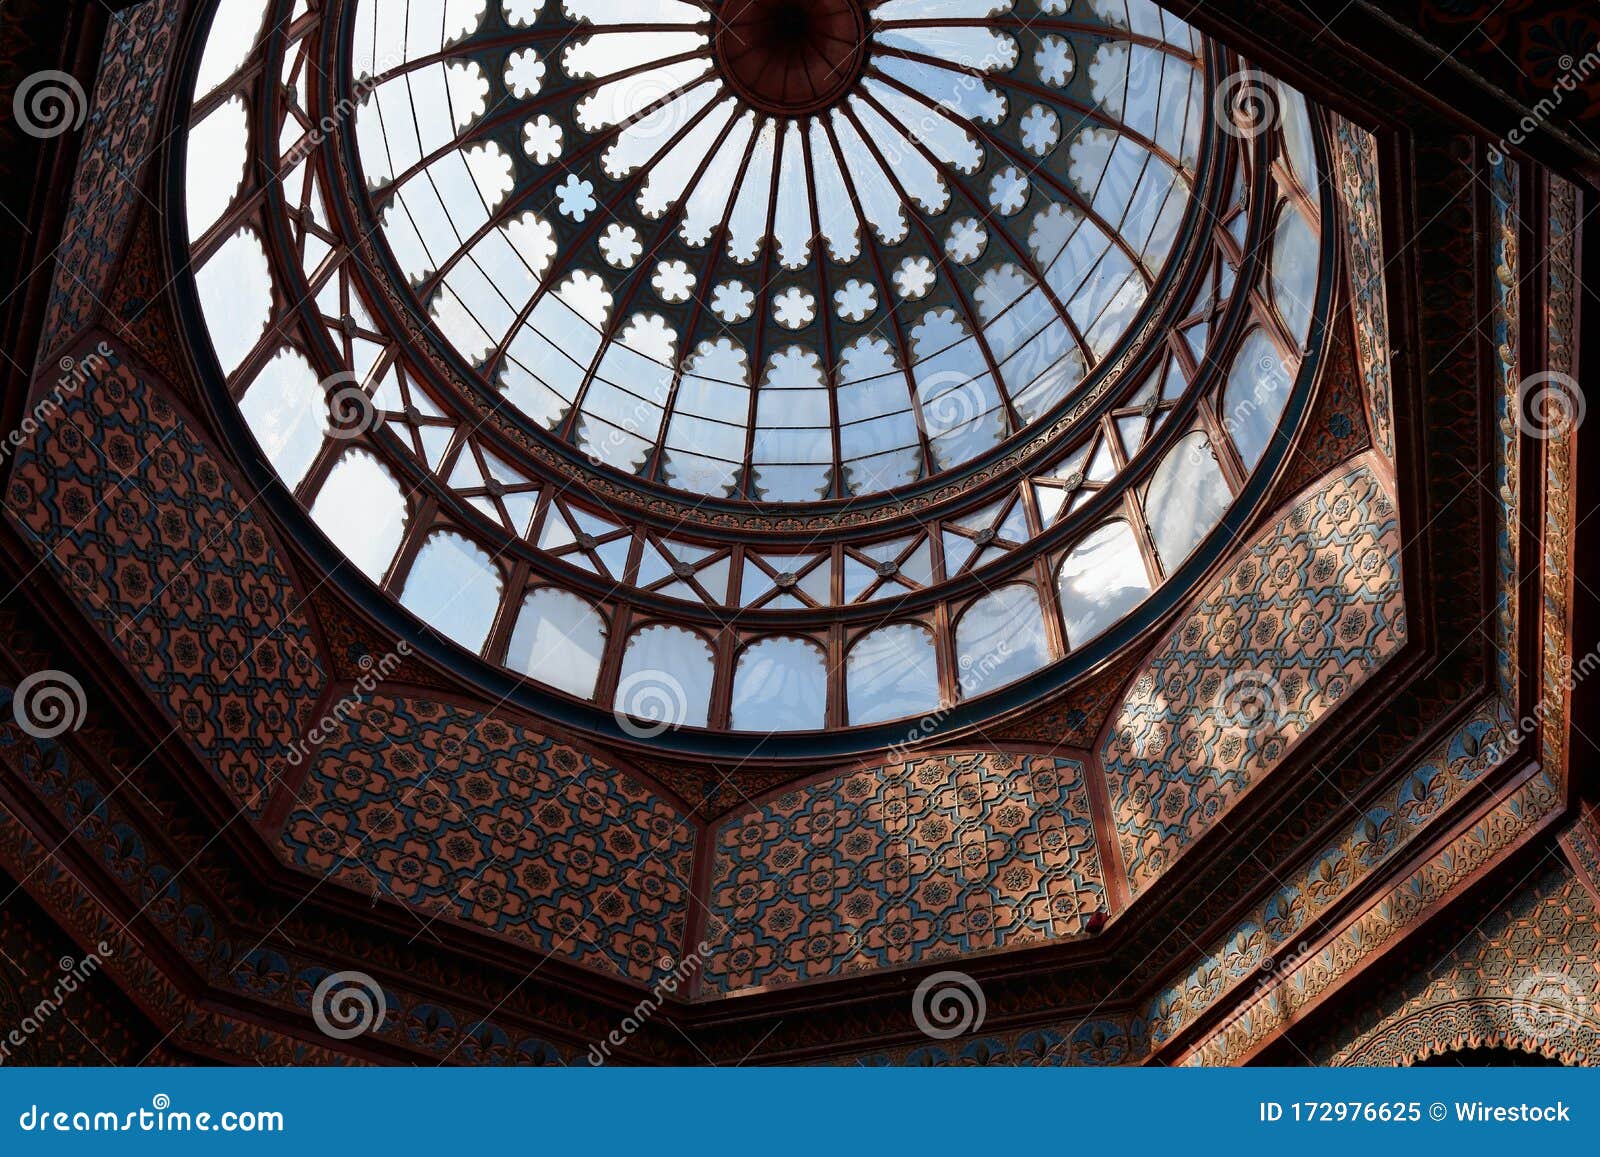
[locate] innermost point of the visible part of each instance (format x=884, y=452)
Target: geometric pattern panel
x=119, y=141
x=1355, y=169
x=902, y=863
x=150, y=538
x=462, y=816
x=1312, y=610
x=1581, y=842
x=1526, y=976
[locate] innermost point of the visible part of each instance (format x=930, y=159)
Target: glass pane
x=1102, y=579
x=233, y=30
x=454, y=587
x=1257, y=391
x=660, y=133
x=287, y=412
x=214, y=164
x=892, y=673
x=1298, y=144
x=780, y=684
x=666, y=679
x=1000, y=639
x=1185, y=499
x=559, y=639
x=235, y=292
x=361, y=509
x=1294, y=273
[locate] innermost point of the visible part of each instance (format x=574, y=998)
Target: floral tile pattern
x=119, y=141
x=902, y=863
x=1310, y=612
x=462, y=816
x=164, y=555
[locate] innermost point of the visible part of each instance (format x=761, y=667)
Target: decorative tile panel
x=902, y=863
x=1355, y=165
x=163, y=554
x=1308, y=614
x=120, y=137
x=462, y=816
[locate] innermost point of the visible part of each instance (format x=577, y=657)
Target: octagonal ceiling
x=1062, y=673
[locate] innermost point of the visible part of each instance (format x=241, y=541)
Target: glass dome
x=803, y=366
x=778, y=249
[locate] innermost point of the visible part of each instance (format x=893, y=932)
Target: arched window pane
x=666, y=678
x=1298, y=144
x=214, y=164
x=559, y=639
x=780, y=684
x=892, y=673
x=1185, y=499
x=287, y=412
x=234, y=29
x=361, y=509
x=1257, y=391
x=454, y=587
x=1102, y=579
x=1294, y=273
x=235, y=292
x=1001, y=638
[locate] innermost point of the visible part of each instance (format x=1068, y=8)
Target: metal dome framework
x=1075, y=454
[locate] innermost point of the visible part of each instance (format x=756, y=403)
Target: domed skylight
x=781, y=249
x=758, y=366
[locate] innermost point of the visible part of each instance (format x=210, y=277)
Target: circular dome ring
x=467, y=486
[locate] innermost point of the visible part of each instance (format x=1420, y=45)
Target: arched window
x=454, y=587
x=1294, y=272
x=1258, y=388
x=816, y=389
x=1000, y=639
x=359, y=506
x=667, y=676
x=559, y=639
x=892, y=673
x=1102, y=578
x=287, y=412
x=1187, y=496
x=780, y=684
x=236, y=295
